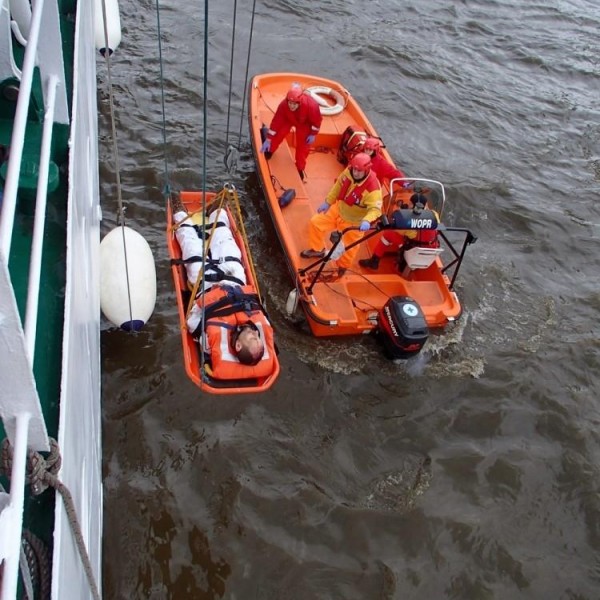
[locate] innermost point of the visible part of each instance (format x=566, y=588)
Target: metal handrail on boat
x=455, y=264
x=39, y=223
x=11, y=516
x=37, y=442
x=22, y=412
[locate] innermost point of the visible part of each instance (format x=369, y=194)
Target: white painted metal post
x=18, y=136
x=12, y=538
x=37, y=244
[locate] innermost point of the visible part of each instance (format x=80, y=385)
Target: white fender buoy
x=113, y=25
x=20, y=13
x=115, y=293
x=316, y=91
x=292, y=302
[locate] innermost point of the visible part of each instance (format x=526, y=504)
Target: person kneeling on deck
x=238, y=337
x=354, y=200
x=404, y=239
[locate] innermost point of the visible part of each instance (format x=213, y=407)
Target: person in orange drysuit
x=353, y=201
x=300, y=110
x=223, y=269
x=394, y=239
x=384, y=169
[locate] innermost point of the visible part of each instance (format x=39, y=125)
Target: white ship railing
x=11, y=517
x=20, y=408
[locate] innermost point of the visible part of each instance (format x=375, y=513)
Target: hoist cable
x=204, y=143
x=121, y=212
x=167, y=188
x=247, y=71
x=231, y=71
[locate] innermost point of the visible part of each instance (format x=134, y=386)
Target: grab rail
x=11, y=517
x=18, y=135
x=21, y=410
x=37, y=244
x=29, y=400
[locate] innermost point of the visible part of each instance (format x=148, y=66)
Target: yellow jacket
x=358, y=201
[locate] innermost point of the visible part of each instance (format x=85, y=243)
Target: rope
x=121, y=212
x=25, y=568
x=247, y=70
x=204, y=144
x=167, y=188
x=37, y=564
x=42, y=473
x=231, y=152
x=233, y=195
x=231, y=70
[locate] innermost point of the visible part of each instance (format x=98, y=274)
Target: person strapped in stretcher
x=235, y=333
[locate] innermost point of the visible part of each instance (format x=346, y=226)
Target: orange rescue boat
x=407, y=294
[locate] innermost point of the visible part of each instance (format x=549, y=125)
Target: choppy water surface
x=469, y=472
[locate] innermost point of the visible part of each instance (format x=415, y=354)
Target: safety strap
x=204, y=232
x=219, y=275
x=235, y=301
x=210, y=262
x=222, y=324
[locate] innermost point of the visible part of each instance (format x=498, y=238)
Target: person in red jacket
x=384, y=169
x=395, y=239
x=300, y=110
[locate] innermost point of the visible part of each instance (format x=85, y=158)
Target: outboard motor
x=402, y=327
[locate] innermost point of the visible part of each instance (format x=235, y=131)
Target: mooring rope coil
x=42, y=473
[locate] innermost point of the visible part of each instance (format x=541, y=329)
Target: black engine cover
x=402, y=327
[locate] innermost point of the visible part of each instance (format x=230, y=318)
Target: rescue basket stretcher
x=197, y=366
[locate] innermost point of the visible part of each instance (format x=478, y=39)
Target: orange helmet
x=361, y=161
x=294, y=93
x=372, y=145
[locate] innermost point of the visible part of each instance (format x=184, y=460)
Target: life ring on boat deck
x=316, y=91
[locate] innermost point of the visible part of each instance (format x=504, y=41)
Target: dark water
x=470, y=472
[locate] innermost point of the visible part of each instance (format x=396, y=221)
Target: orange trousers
x=322, y=224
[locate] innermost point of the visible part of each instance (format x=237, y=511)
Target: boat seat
x=421, y=258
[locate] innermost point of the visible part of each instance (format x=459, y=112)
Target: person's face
x=293, y=106
x=358, y=173
x=249, y=338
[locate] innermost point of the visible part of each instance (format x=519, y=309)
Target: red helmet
x=372, y=145
x=294, y=93
x=361, y=161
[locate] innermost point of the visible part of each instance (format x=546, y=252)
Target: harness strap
x=204, y=232
x=210, y=262
x=235, y=301
x=222, y=324
x=220, y=276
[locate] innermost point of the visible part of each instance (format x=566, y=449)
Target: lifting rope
x=167, y=188
x=231, y=152
x=41, y=474
x=121, y=210
x=228, y=193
